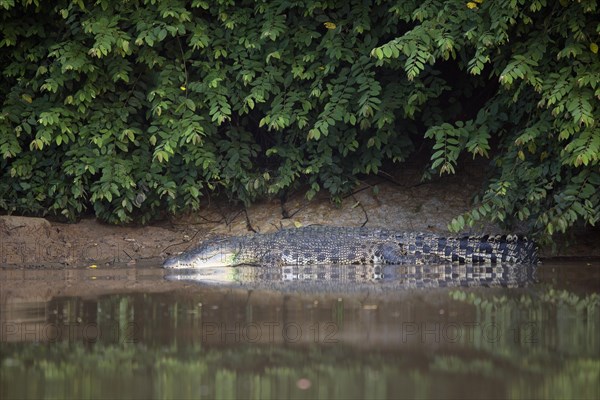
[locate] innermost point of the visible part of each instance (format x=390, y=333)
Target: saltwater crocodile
x=318, y=245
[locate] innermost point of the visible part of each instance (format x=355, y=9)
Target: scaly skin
x=320, y=245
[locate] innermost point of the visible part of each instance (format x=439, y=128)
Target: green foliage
x=108, y=103
x=541, y=60
x=129, y=108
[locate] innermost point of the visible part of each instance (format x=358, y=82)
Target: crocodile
x=320, y=245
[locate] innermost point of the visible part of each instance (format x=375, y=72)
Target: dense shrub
x=106, y=104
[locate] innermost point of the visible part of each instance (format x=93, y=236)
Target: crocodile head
x=216, y=254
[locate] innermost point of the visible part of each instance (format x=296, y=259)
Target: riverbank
x=401, y=202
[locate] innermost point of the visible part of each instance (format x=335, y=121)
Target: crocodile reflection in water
x=394, y=276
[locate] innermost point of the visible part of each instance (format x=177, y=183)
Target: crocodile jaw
x=213, y=260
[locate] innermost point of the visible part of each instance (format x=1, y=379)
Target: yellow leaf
x=330, y=25
x=93, y=266
x=28, y=98
x=297, y=224
x=521, y=155
x=594, y=48
x=182, y=88
x=471, y=5
x=478, y=1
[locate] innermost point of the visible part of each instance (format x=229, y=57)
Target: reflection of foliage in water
x=563, y=325
x=261, y=372
x=557, y=319
x=265, y=372
x=560, y=359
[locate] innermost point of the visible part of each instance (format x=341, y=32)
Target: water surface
x=131, y=333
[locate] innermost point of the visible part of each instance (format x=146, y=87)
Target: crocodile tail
x=504, y=249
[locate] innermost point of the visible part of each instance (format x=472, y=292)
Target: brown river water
x=333, y=334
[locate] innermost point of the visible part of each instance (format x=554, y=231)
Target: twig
x=124, y=251
x=358, y=191
x=295, y=212
x=207, y=221
x=184, y=66
x=280, y=227
x=228, y=222
x=248, y=223
x=177, y=244
x=363, y=209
